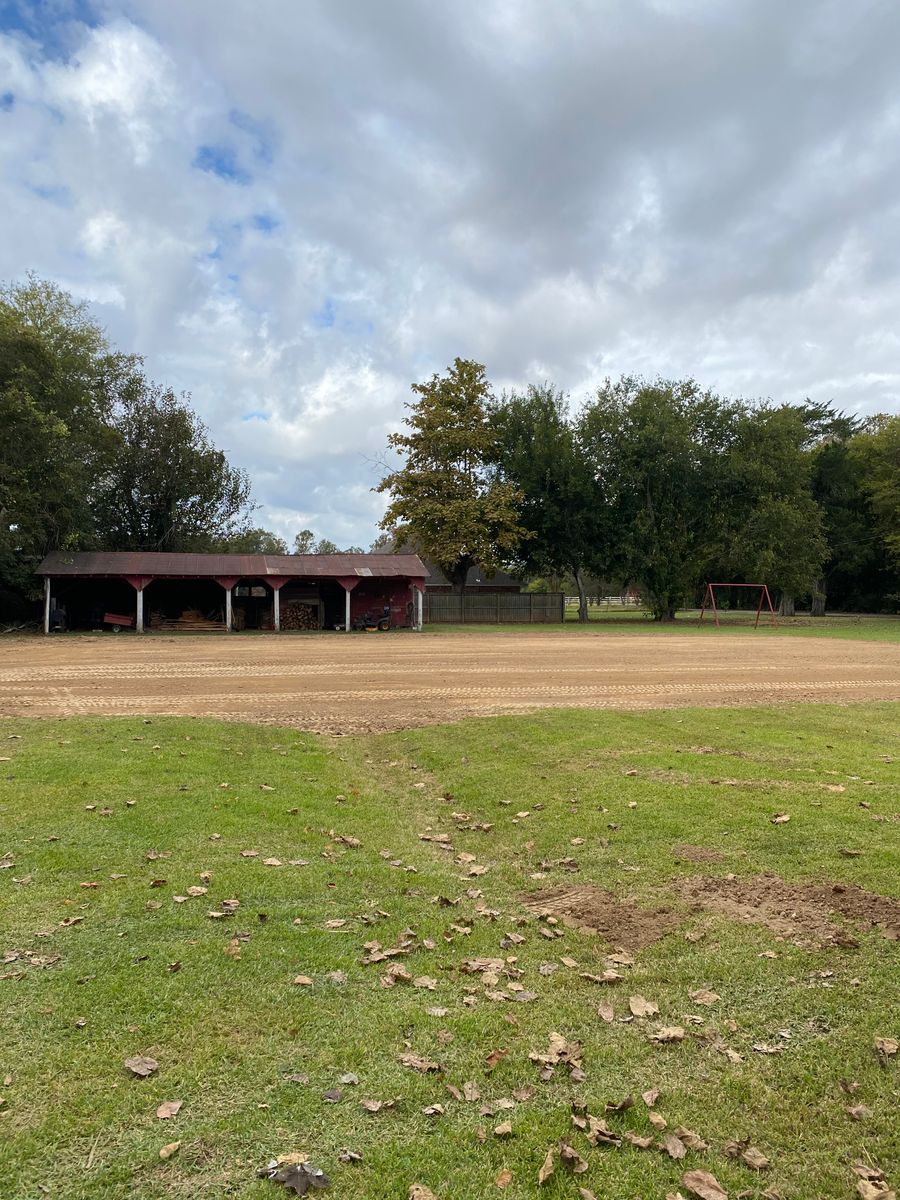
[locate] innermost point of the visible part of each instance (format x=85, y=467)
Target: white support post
x=228, y=609
x=418, y=609
x=347, y=611
x=46, y=604
x=277, y=608
x=139, y=624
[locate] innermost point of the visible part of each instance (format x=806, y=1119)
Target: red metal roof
x=255, y=566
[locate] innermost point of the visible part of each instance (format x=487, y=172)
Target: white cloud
x=296, y=210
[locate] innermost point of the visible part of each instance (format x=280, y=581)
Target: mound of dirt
x=697, y=854
x=810, y=912
x=622, y=923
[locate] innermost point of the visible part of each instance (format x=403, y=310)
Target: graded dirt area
x=358, y=682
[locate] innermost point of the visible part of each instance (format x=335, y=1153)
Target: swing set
x=709, y=601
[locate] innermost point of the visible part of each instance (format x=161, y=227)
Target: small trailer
x=117, y=621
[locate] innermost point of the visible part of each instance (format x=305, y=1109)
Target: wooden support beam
x=46, y=604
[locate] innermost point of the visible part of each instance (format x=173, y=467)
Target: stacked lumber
x=298, y=615
x=190, y=621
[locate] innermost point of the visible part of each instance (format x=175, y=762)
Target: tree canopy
x=445, y=499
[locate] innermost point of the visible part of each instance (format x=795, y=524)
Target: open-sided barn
x=143, y=590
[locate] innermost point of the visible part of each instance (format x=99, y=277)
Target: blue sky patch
x=264, y=222
x=50, y=23
x=324, y=317
x=256, y=415
x=7, y=100
x=221, y=161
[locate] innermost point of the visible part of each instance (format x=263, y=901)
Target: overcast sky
x=295, y=208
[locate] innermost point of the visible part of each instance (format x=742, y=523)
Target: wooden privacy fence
x=499, y=608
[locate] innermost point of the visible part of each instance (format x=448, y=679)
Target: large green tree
x=658, y=452
x=251, y=541
x=877, y=450
x=168, y=487
x=58, y=382
x=445, y=499
x=775, y=529
x=561, y=504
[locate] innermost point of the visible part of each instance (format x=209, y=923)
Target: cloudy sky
x=294, y=208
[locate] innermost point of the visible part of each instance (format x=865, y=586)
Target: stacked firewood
x=297, y=615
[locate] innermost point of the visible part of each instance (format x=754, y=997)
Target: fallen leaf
x=168, y=1108
x=333, y=1096
x=669, y=1033
x=141, y=1066
x=418, y=1191
x=425, y=981
x=874, y=1191
x=547, y=1169
x=606, y=1012
x=704, y=1185
x=658, y=1122
x=886, y=1047
x=296, y=1174
x=780, y=819
x=570, y=1158
x=434, y=1110
x=704, y=996
x=503, y=1130
x=650, y=1097
x=636, y=1140
x=302, y=981
x=471, y=1092
x=169, y=1150
x=418, y=1063
x=504, y=1178
x=495, y=1057
x=673, y=1146
x=350, y=1156
x=692, y=1140
x=641, y=1007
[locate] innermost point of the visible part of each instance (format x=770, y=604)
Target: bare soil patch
x=810, y=912
x=697, y=854
x=622, y=923
x=358, y=683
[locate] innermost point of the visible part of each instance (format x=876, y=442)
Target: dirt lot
x=367, y=682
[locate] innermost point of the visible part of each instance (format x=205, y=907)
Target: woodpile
x=298, y=615
x=190, y=621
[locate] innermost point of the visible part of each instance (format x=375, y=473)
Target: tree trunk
x=582, y=597
x=817, y=608
x=664, y=610
x=786, y=605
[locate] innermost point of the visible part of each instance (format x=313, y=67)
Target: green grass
x=226, y=1031
x=850, y=626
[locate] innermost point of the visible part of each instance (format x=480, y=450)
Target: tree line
x=660, y=485
x=657, y=485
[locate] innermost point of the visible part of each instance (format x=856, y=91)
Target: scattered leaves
x=141, y=1065
x=168, y=1109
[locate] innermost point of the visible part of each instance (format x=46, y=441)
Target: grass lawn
x=857, y=627
x=91, y=975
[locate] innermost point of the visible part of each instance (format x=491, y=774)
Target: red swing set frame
x=709, y=600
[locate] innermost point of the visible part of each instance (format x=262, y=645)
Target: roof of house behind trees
x=140, y=562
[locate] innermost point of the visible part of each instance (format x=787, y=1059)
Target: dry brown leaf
x=886, y=1047
x=668, y=1033
x=169, y=1150
x=570, y=1158
x=141, y=1065
x=301, y=981
x=418, y=1191
x=780, y=819
x=169, y=1108
x=651, y=1096
x=417, y=1062
x=704, y=1185
x=606, y=1012
x=641, y=1007
x=636, y=1140
x=692, y=1140
x=503, y=1130
x=425, y=981
x=673, y=1146
x=504, y=1178
x=704, y=996
x=874, y=1191
x=495, y=1057
x=547, y=1168
x=659, y=1123
x=471, y=1091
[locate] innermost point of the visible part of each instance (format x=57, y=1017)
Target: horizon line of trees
x=656, y=485
x=659, y=485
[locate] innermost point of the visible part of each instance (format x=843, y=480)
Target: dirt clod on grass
x=697, y=854
x=810, y=912
x=594, y=910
